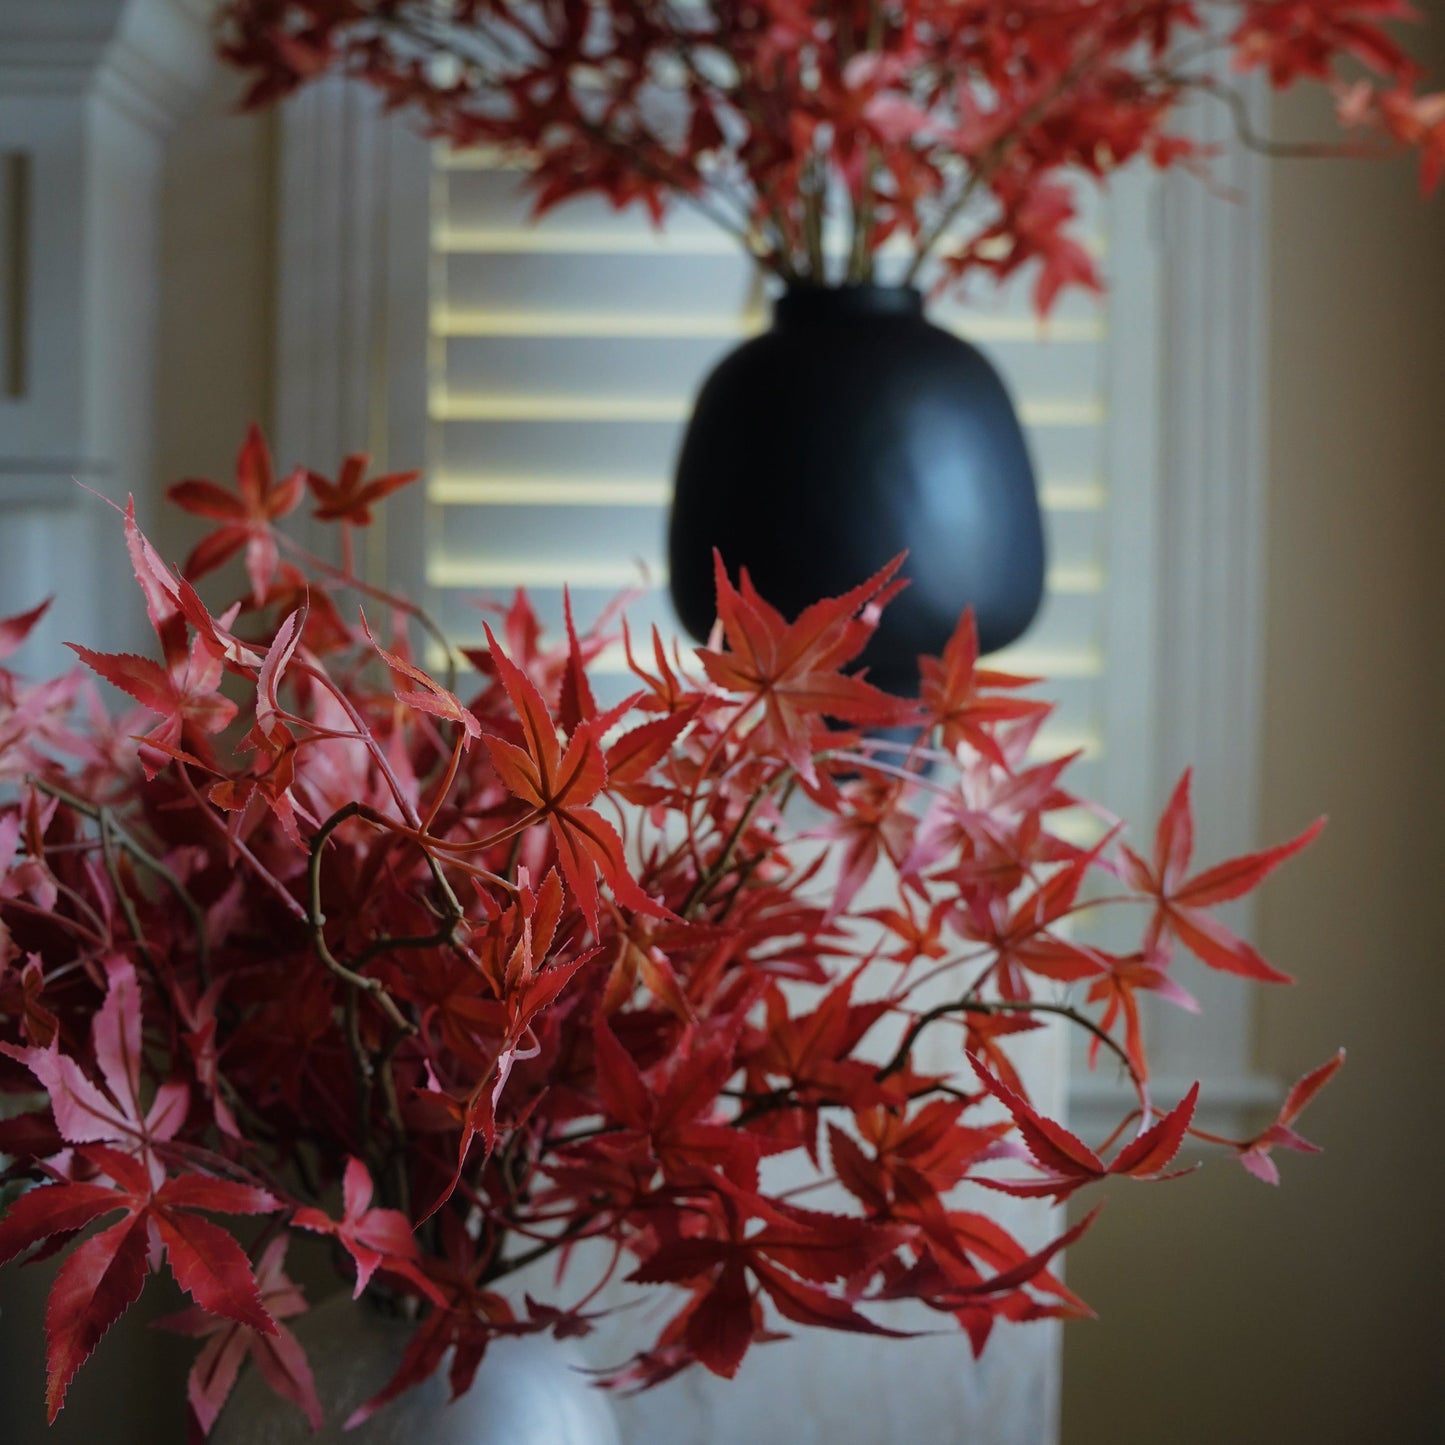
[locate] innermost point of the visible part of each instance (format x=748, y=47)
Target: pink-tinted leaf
x=1152, y=1151
x=14, y=630
x=1305, y=1089
x=1242, y=875
x=285, y=1368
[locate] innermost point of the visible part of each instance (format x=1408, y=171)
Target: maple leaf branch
x=358, y=982
x=96, y=936
x=235, y=843
x=574, y=1231
x=1254, y=140
x=723, y=862
x=122, y=894
x=367, y=589
x=449, y=40
x=991, y=162
x=113, y=831
x=965, y=1005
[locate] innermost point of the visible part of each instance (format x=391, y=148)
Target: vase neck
x=829, y=305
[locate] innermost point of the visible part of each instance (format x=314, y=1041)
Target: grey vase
x=528, y=1391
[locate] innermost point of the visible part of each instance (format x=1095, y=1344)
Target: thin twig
x=373, y=987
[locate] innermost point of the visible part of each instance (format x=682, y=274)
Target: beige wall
x=1233, y=1313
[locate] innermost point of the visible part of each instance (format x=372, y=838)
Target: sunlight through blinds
x=564, y=359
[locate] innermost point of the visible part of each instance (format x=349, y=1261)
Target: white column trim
x=89, y=90
x=149, y=57
x=340, y=208
x=329, y=273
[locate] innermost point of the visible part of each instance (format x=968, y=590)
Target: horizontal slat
x=613, y=534
x=621, y=446
x=568, y=407
x=550, y=571
x=892, y=262
x=481, y=196
x=675, y=367
x=725, y=285
x=973, y=325
x=582, y=489
x=534, y=491
x=600, y=449
x=1069, y=455
x=598, y=530
x=701, y=288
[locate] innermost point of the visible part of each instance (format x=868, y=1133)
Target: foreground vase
x=528, y=1390
x=851, y=431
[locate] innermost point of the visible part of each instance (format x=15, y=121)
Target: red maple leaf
x=512, y=959
x=1254, y=1153
x=1066, y=1163
x=457, y=1331
x=184, y=698
x=1180, y=901
x=672, y=1123
x=789, y=1262
x=793, y=668
x=1129, y=975
x=557, y=786
x=871, y=822
x=1020, y=935
x=103, y=1277
x=428, y=695
x=85, y=1113
x=351, y=497
x=374, y=1238
x=964, y=700
x=247, y=515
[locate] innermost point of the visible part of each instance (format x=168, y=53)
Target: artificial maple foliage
x=817, y=131
x=455, y=977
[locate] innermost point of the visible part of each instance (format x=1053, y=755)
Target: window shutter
x=565, y=357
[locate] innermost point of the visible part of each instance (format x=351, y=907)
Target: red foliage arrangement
x=814, y=131
x=461, y=984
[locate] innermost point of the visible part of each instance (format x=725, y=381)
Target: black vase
x=850, y=431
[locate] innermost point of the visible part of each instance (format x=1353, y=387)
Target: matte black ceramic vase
x=851, y=431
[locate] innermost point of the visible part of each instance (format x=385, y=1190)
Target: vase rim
x=848, y=301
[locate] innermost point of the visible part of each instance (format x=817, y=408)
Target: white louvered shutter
x=565, y=356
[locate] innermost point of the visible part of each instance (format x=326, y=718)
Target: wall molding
x=89, y=90
x=148, y=56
